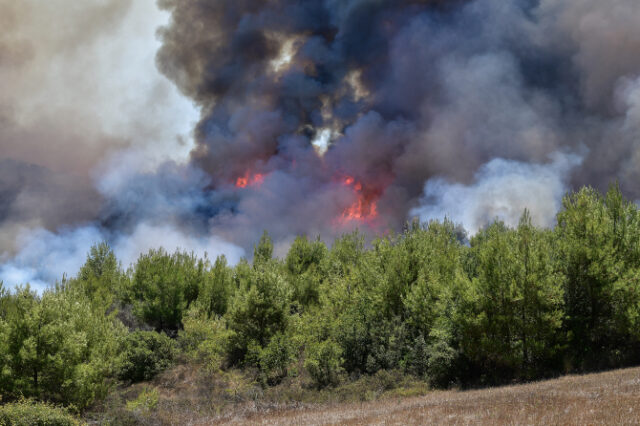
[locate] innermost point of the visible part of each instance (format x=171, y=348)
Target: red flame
x=249, y=179
x=365, y=208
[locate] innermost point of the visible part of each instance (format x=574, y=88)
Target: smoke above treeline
x=198, y=124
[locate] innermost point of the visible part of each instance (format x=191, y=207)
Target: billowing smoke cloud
x=92, y=138
x=314, y=116
x=408, y=90
x=34, y=196
x=502, y=190
x=79, y=83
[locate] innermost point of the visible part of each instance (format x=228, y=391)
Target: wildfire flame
x=249, y=179
x=365, y=208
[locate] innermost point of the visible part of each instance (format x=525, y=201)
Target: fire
x=249, y=179
x=365, y=208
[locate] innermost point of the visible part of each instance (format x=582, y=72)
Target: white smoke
x=82, y=76
x=502, y=189
x=45, y=257
x=147, y=236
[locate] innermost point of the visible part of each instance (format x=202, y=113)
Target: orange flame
x=250, y=180
x=365, y=208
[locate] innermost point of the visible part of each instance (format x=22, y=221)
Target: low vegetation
x=423, y=309
x=29, y=413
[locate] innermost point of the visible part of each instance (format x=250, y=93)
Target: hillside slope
x=604, y=398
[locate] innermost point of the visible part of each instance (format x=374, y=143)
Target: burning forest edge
x=423, y=309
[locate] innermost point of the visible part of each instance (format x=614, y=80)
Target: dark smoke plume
x=403, y=92
x=321, y=116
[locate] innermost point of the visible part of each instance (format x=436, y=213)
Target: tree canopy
x=510, y=303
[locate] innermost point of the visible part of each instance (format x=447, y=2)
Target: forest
x=504, y=305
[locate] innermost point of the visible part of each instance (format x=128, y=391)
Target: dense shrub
x=275, y=358
x=217, y=288
x=304, y=267
x=163, y=286
x=29, y=413
x=324, y=363
x=258, y=311
x=144, y=354
x=205, y=340
x=56, y=347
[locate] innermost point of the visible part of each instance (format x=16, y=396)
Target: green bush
x=56, y=347
x=143, y=355
x=440, y=362
x=324, y=362
x=258, y=312
x=204, y=340
x=163, y=286
x=147, y=400
x=217, y=288
x=275, y=358
x=304, y=271
x=28, y=413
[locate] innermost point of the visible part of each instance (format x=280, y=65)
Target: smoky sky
x=318, y=117
x=411, y=91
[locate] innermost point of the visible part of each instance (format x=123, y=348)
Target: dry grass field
x=611, y=398
x=184, y=396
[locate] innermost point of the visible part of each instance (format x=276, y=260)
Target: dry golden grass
x=186, y=396
x=611, y=398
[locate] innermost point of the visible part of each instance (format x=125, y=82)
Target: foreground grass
x=186, y=396
x=604, y=398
